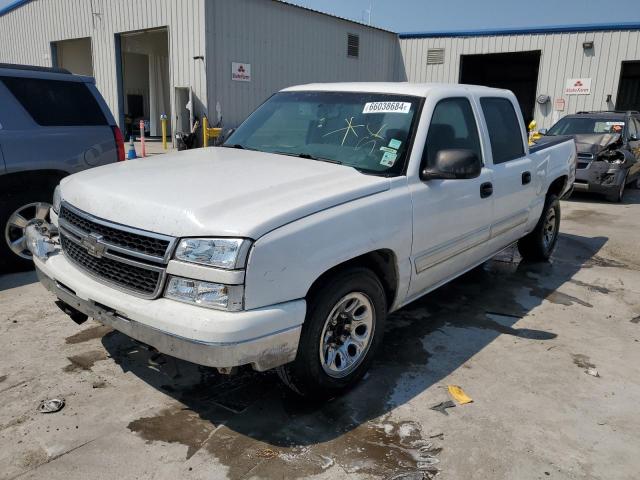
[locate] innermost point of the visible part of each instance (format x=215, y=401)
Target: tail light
x=117, y=136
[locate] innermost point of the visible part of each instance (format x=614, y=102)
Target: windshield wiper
x=233, y=145
x=308, y=156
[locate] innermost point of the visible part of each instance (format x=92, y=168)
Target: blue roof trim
x=593, y=27
x=12, y=6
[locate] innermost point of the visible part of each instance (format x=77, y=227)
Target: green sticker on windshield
x=388, y=159
x=393, y=143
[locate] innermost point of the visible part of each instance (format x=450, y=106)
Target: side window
x=633, y=127
x=452, y=126
x=54, y=103
x=504, y=130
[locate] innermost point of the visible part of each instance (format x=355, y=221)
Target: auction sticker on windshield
x=386, y=107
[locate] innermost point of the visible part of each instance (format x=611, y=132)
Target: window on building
x=453, y=126
x=504, y=129
x=56, y=103
x=353, y=45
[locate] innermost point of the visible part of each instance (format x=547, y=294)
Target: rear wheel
x=541, y=242
x=17, y=210
x=342, y=330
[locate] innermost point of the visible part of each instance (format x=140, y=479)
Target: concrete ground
x=517, y=338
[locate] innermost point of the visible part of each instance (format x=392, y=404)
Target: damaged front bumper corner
x=599, y=177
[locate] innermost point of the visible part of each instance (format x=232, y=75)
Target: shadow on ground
x=631, y=197
x=255, y=418
x=14, y=280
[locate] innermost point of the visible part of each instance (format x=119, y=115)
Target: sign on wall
x=241, y=72
x=559, y=105
x=578, y=86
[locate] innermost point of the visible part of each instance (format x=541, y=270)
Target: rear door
x=514, y=181
x=451, y=218
x=62, y=125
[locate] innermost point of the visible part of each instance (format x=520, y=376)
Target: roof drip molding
x=594, y=27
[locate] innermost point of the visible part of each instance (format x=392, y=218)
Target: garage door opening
x=517, y=72
x=74, y=55
x=629, y=89
x=144, y=81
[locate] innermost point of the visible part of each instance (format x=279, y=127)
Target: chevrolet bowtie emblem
x=93, y=244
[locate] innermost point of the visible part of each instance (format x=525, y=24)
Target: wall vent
x=353, y=45
x=435, y=56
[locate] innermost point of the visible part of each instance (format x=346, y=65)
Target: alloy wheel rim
x=14, y=232
x=347, y=334
x=549, y=232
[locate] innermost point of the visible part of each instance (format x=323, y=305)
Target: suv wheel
x=619, y=193
x=17, y=210
x=342, y=330
x=541, y=242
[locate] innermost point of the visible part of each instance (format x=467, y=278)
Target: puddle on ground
x=559, y=298
x=97, y=331
x=582, y=361
x=85, y=361
x=3, y=378
x=591, y=287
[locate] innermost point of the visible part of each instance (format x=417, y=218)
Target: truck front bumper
x=263, y=338
x=599, y=177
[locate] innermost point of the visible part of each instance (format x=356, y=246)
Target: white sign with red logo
x=241, y=72
x=578, y=86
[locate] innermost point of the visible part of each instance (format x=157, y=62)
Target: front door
x=451, y=218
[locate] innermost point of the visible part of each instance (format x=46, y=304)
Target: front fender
x=284, y=263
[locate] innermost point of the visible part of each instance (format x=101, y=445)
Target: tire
x=538, y=245
x=355, y=291
x=29, y=205
x=617, y=196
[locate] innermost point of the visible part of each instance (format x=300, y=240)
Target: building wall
x=26, y=33
x=285, y=46
x=562, y=57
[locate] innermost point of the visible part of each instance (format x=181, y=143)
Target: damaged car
x=608, y=145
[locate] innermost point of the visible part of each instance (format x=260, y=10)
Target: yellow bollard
x=163, y=120
x=208, y=133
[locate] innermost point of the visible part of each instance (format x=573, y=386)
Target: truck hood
x=596, y=143
x=215, y=191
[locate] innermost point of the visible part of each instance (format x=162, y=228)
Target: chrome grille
x=130, y=277
x=129, y=259
x=152, y=246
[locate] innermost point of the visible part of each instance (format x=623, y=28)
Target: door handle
x=526, y=178
x=486, y=190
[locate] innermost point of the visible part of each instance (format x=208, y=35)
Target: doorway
x=517, y=72
x=629, y=90
x=144, y=81
x=184, y=109
x=73, y=55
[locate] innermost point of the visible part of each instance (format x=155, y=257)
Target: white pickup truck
x=331, y=206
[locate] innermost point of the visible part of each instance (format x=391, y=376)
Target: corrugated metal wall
x=285, y=46
x=562, y=57
x=26, y=33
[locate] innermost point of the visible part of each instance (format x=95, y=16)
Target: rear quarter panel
x=28, y=146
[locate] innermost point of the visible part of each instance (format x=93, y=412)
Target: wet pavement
x=518, y=338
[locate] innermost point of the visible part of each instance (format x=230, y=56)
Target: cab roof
x=398, y=88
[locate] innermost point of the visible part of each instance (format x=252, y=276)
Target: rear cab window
x=56, y=103
x=505, y=134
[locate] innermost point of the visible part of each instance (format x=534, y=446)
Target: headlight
x=227, y=253
x=57, y=199
x=205, y=294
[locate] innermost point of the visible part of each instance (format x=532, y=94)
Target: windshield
x=367, y=131
x=586, y=126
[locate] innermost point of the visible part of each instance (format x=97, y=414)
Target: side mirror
x=543, y=131
x=453, y=164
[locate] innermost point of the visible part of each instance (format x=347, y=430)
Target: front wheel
x=541, y=242
x=341, y=332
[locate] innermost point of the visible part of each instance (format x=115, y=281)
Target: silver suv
x=52, y=124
